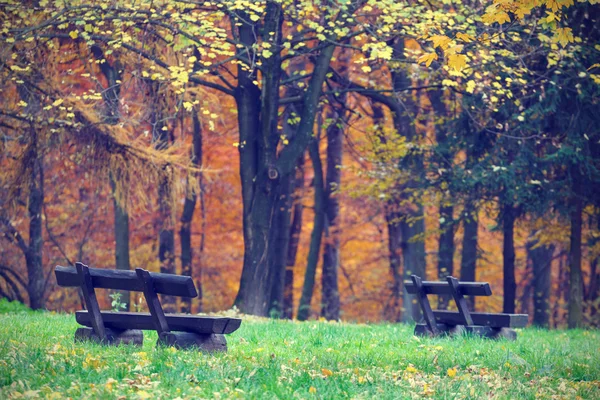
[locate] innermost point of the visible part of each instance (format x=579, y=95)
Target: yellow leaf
x=440, y=41
x=563, y=36
x=465, y=37
x=451, y=372
x=254, y=17
x=326, y=372
x=366, y=69
x=427, y=58
x=470, y=86
x=312, y=390
x=188, y=106
x=74, y=34
x=57, y=102
x=457, y=61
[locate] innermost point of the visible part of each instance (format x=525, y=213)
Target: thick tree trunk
x=413, y=251
x=468, y=260
x=295, y=230
x=445, y=250
x=121, y=241
x=317, y=234
x=508, y=257
x=35, y=270
x=280, y=239
x=33, y=251
x=185, y=232
x=575, y=303
x=262, y=166
x=541, y=263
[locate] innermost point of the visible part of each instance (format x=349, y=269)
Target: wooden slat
x=460, y=301
x=89, y=295
x=156, y=311
x=486, y=319
x=466, y=288
x=177, y=322
x=170, y=284
x=425, y=306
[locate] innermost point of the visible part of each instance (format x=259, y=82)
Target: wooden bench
x=180, y=330
x=439, y=322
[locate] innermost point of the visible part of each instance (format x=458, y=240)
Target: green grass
x=281, y=359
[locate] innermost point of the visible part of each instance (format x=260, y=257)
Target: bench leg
x=208, y=343
x=492, y=333
x=130, y=336
x=423, y=330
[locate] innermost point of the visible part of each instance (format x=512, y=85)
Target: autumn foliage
x=303, y=158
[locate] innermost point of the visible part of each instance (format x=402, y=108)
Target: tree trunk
x=541, y=262
x=166, y=233
x=121, y=241
x=280, y=239
x=33, y=251
x=412, y=225
x=468, y=260
x=330, y=300
x=185, y=233
x=295, y=230
x=35, y=269
x=575, y=303
x=445, y=250
x=315, y=238
x=508, y=256
x=593, y=291
x=392, y=312
x=262, y=166
x=444, y=159
x=111, y=96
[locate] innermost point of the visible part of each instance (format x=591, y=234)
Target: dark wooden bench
x=180, y=330
x=438, y=322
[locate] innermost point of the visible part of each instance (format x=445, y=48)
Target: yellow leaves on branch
x=563, y=36
x=427, y=58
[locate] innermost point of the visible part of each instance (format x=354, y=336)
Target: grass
x=282, y=359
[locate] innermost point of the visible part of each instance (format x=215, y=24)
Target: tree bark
x=412, y=225
x=468, y=260
x=110, y=96
x=262, y=166
x=121, y=226
x=295, y=230
x=445, y=250
x=35, y=269
x=508, y=256
x=575, y=303
x=317, y=233
x=392, y=311
x=35, y=169
x=166, y=223
x=330, y=299
x=541, y=263
x=185, y=232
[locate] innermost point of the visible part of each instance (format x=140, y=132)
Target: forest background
x=302, y=158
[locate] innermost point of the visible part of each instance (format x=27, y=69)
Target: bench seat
x=177, y=322
x=494, y=320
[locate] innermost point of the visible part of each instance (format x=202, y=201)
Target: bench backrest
x=174, y=285
x=440, y=287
